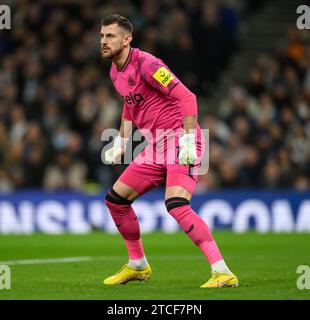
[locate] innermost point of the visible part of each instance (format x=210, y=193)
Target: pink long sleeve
x=186, y=98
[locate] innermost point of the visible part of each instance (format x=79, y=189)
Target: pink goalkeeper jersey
x=145, y=82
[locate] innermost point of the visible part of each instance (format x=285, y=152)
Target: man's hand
x=114, y=154
x=187, y=154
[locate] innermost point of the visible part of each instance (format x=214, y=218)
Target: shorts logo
x=163, y=76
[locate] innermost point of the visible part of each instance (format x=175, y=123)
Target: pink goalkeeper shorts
x=158, y=165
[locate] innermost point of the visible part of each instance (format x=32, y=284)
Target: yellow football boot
x=221, y=280
x=127, y=274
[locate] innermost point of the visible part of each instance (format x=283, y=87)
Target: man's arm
x=126, y=128
x=114, y=154
x=188, y=105
x=161, y=78
x=156, y=73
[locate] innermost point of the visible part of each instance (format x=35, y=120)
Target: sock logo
x=133, y=98
x=190, y=229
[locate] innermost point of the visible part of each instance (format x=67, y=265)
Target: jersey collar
x=127, y=60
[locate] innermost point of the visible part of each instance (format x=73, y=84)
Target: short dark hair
x=119, y=20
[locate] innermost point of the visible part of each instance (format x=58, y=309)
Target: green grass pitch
x=265, y=264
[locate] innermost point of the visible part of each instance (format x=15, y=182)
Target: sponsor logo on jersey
x=133, y=98
x=163, y=76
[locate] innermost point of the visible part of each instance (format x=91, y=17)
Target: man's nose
x=104, y=41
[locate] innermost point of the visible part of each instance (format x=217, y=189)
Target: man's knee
x=113, y=198
x=177, y=202
x=177, y=191
x=125, y=191
x=123, y=215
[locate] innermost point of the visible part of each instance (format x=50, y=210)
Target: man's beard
x=113, y=54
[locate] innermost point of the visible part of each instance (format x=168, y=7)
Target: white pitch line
x=45, y=261
x=90, y=258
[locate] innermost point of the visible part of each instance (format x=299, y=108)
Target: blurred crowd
x=260, y=136
x=56, y=97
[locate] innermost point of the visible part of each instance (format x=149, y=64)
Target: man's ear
x=127, y=39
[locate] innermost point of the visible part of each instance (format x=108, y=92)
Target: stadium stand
x=56, y=97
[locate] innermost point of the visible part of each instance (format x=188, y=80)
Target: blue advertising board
x=235, y=210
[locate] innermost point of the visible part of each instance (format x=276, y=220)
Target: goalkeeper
x=154, y=98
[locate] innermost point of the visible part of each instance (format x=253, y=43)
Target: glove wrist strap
x=120, y=142
x=188, y=138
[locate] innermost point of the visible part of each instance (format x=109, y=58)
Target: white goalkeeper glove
x=115, y=153
x=187, y=152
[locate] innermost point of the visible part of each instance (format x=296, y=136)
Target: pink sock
x=198, y=231
x=127, y=224
x=135, y=249
x=211, y=251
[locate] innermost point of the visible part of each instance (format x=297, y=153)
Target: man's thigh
x=184, y=177
x=177, y=191
x=141, y=177
x=125, y=191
